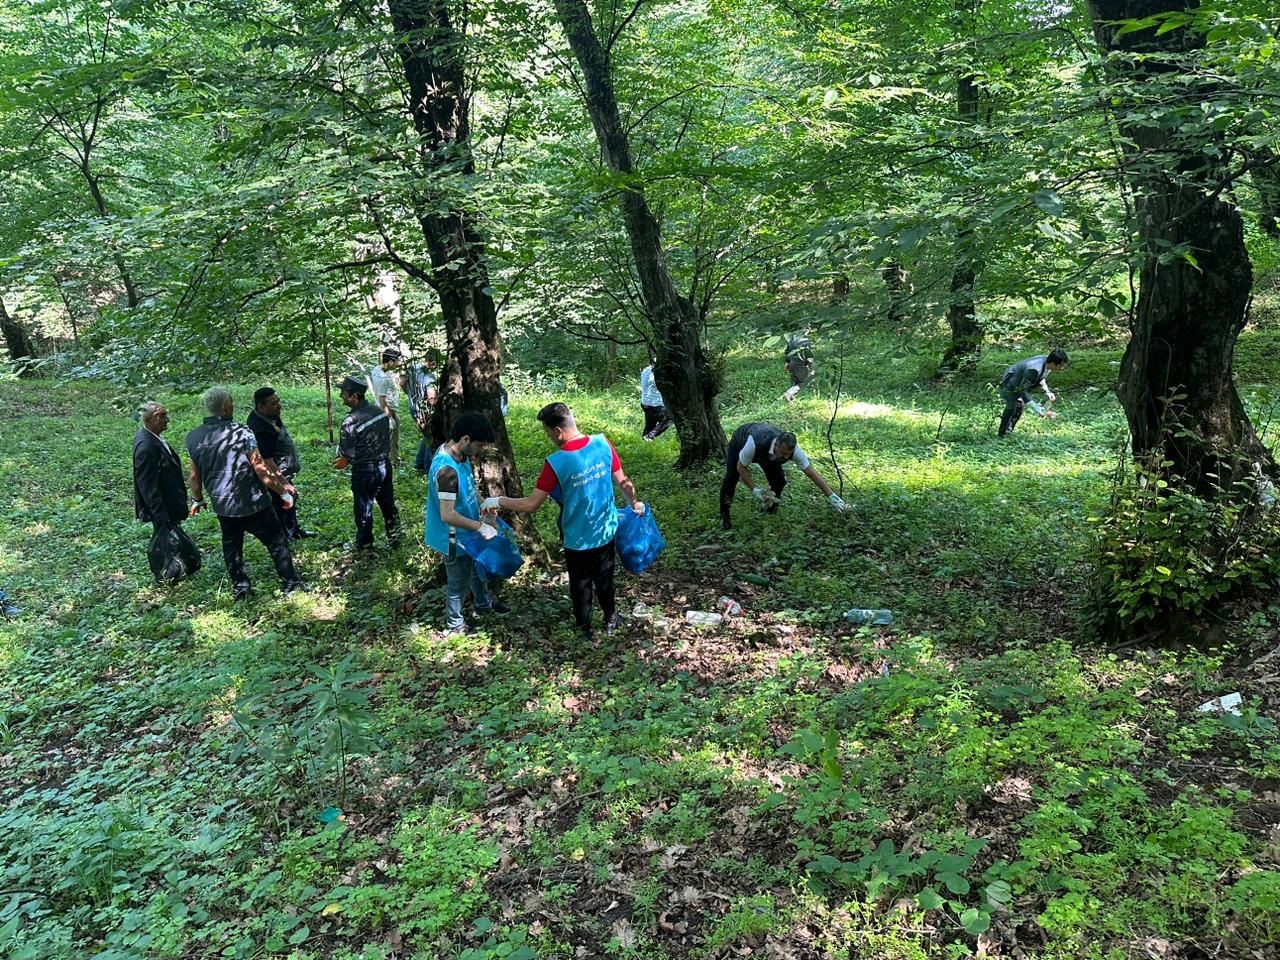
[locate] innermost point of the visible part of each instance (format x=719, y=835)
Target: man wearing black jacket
x=278, y=449
x=160, y=496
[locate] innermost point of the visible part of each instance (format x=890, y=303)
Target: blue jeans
x=461, y=573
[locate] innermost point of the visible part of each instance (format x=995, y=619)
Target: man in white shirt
x=385, y=383
x=769, y=447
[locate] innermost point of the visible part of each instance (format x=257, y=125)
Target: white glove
x=836, y=501
x=1052, y=397
x=487, y=531
x=489, y=504
x=638, y=508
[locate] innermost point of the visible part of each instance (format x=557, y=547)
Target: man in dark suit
x=160, y=496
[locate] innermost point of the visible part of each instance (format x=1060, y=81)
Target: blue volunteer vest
x=436, y=532
x=588, y=515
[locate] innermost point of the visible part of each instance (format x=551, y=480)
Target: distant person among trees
x=227, y=466
x=385, y=383
x=799, y=363
x=580, y=476
x=769, y=447
x=452, y=504
x=1022, y=377
x=656, y=417
x=278, y=449
x=422, y=391
x=364, y=445
x=160, y=496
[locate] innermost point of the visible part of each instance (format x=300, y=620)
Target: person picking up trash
x=580, y=476
x=769, y=447
x=1022, y=377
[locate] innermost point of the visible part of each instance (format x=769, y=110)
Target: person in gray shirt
x=227, y=466
x=1022, y=377
x=364, y=445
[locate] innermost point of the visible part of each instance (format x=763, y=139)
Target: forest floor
x=328, y=775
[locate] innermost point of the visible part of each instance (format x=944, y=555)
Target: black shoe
x=584, y=635
x=498, y=607
x=725, y=523
x=298, y=587
x=243, y=594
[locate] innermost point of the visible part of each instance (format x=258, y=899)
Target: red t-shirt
x=548, y=481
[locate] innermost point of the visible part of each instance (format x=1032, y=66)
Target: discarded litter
x=1229, y=703
x=755, y=578
x=729, y=607
x=879, y=618
x=642, y=612
x=700, y=618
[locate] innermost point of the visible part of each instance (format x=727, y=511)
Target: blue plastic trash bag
x=639, y=540
x=496, y=559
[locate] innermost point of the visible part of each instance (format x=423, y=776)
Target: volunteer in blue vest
x=452, y=505
x=580, y=476
x=768, y=447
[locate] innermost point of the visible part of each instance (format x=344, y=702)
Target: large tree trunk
x=433, y=54
x=962, y=313
x=683, y=373
x=894, y=275
x=17, y=342
x=1176, y=383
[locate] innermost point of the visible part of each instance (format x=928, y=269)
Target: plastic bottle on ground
x=879, y=618
x=700, y=618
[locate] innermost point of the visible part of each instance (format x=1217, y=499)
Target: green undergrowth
x=327, y=775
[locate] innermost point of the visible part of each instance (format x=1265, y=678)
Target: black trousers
x=372, y=483
x=656, y=421
x=288, y=518
x=772, y=472
x=591, y=570
x=266, y=527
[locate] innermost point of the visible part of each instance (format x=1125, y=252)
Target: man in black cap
x=278, y=449
x=364, y=444
x=768, y=447
x=226, y=465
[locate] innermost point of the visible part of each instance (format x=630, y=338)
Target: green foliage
x=1161, y=550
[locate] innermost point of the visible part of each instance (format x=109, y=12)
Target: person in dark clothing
x=227, y=466
x=799, y=362
x=422, y=391
x=768, y=447
x=278, y=449
x=160, y=497
x=580, y=476
x=364, y=444
x=1022, y=377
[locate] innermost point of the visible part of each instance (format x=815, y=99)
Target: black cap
x=353, y=384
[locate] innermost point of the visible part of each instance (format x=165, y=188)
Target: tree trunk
x=17, y=342
x=433, y=54
x=683, y=373
x=840, y=288
x=962, y=314
x=100, y=204
x=1176, y=383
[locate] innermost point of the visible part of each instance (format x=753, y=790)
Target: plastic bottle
x=700, y=618
x=879, y=618
x=729, y=607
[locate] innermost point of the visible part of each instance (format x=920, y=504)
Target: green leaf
x=975, y=921
x=929, y=899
